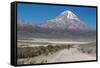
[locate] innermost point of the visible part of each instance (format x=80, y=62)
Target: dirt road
x=70, y=55
x=66, y=55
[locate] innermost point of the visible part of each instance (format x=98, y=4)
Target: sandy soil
x=66, y=55
x=71, y=55
x=45, y=42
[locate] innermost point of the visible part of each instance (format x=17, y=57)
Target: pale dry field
x=57, y=50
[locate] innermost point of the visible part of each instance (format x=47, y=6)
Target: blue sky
x=38, y=14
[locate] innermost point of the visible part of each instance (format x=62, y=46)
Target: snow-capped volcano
x=66, y=24
x=69, y=15
x=65, y=20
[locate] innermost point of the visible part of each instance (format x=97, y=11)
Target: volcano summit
x=66, y=24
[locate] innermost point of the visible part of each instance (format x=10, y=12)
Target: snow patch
x=70, y=15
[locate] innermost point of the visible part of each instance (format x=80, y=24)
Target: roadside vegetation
x=88, y=48
x=26, y=52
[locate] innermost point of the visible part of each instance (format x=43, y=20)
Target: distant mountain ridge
x=65, y=24
x=66, y=20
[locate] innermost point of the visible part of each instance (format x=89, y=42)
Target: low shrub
x=26, y=52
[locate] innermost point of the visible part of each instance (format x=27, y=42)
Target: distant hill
x=65, y=25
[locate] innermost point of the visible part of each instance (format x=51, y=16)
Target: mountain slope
x=66, y=20
x=65, y=25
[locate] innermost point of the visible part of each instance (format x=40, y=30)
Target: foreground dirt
x=66, y=55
